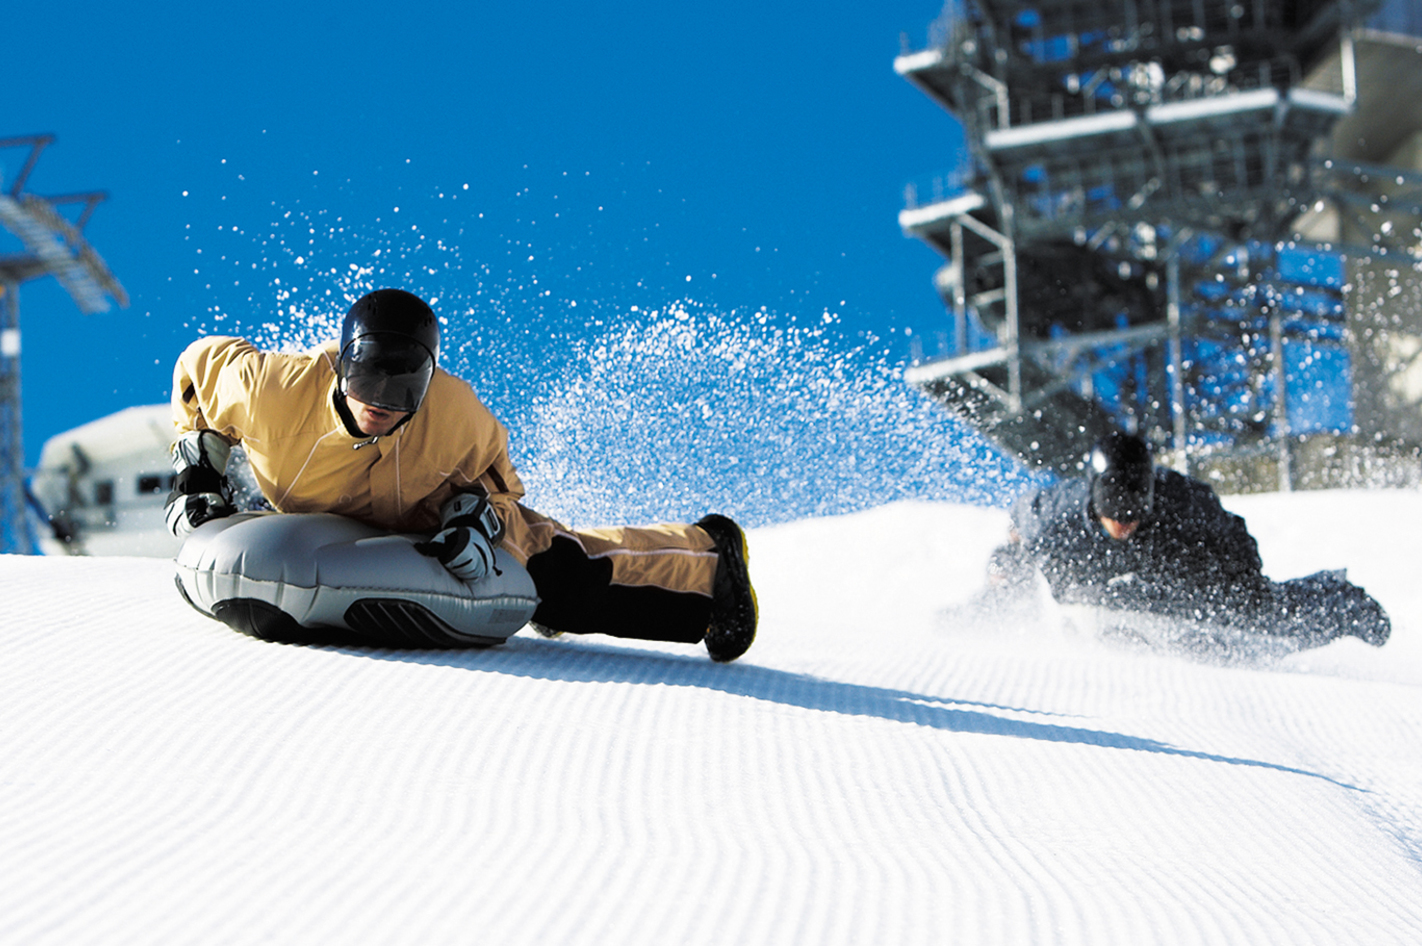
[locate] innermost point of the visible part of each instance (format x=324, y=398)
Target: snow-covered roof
x=131, y=432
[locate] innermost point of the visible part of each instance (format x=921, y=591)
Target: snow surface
x=873, y=771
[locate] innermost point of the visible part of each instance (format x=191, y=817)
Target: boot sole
x=730, y=541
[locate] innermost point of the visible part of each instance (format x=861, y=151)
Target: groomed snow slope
x=871, y=772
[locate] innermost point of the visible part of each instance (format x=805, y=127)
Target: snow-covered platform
x=871, y=771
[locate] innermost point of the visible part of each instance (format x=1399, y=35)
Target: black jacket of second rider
x=1190, y=555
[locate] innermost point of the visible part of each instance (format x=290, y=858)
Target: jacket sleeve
x=1225, y=531
x=457, y=416
x=1223, y=551
x=1039, y=516
x=1026, y=516
x=499, y=479
x=500, y=482
x=211, y=385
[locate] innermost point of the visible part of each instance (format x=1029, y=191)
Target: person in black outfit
x=1134, y=537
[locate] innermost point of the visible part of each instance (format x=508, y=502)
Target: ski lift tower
x=1115, y=243
x=52, y=245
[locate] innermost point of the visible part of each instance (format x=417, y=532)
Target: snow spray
x=632, y=413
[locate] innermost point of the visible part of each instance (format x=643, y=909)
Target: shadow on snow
x=591, y=662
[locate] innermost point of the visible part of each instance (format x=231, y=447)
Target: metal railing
x=933, y=189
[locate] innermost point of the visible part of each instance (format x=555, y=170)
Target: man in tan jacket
x=371, y=428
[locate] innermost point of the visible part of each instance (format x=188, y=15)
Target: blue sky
x=540, y=169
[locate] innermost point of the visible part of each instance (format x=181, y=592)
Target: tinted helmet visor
x=387, y=371
x=1125, y=496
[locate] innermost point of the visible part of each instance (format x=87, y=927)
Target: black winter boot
x=734, y=611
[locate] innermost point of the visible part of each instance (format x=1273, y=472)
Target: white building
x=106, y=482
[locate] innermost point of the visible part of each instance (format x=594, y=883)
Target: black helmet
x=389, y=347
x=1122, y=478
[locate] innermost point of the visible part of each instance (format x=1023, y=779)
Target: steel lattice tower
x=54, y=246
x=1123, y=245
x=14, y=534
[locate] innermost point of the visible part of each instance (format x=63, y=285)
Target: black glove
x=200, y=489
x=471, y=531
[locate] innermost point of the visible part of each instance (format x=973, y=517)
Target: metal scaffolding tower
x=50, y=245
x=1120, y=244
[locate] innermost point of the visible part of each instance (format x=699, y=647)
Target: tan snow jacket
x=281, y=408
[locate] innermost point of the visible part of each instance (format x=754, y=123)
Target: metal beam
x=37, y=144
x=15, y=534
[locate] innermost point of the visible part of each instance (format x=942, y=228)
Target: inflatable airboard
x=1299, y=613
x=328, y=579
x=1201, y=639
